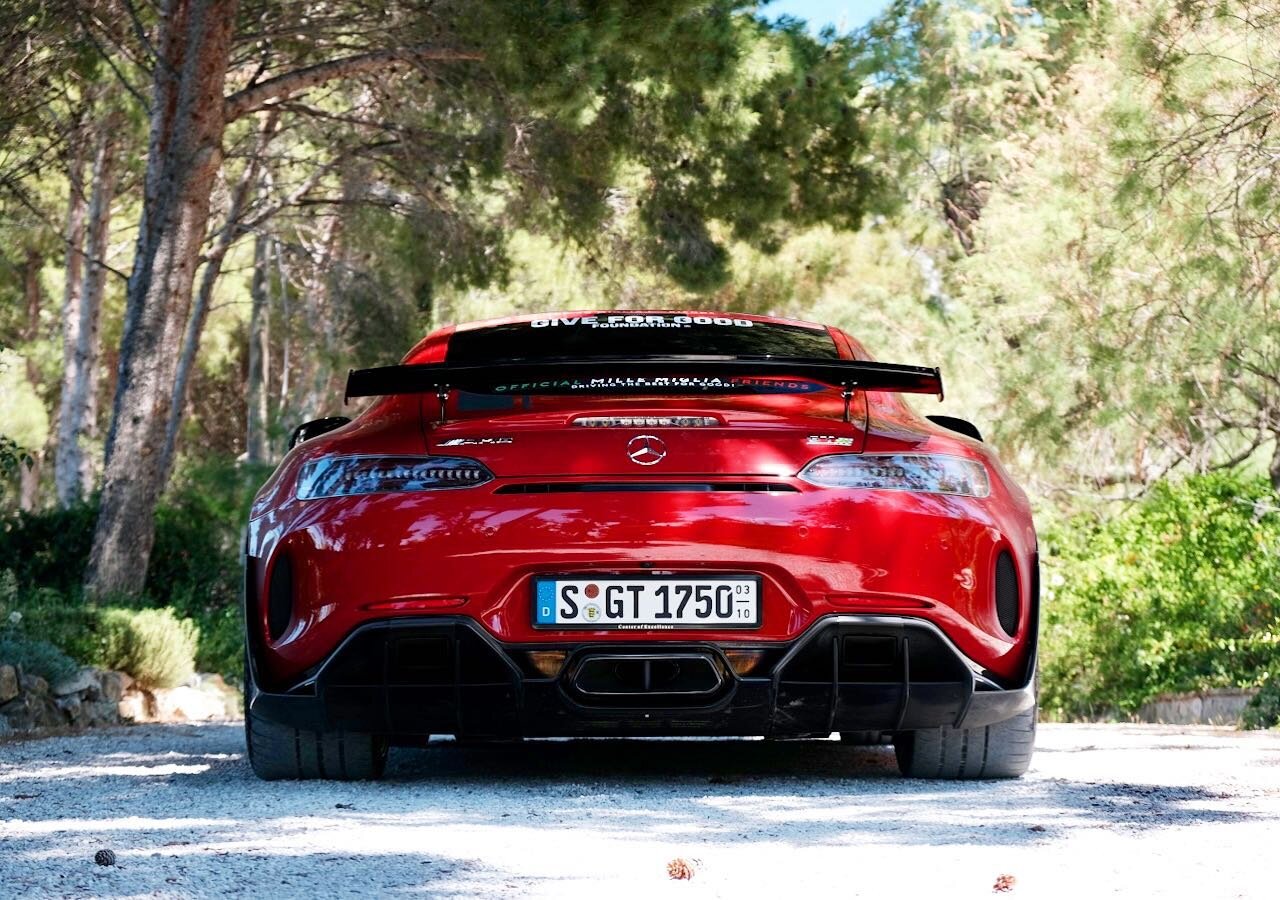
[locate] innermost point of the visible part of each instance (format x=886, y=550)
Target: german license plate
x=655, y=602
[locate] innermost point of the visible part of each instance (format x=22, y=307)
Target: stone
x=135, y=705
x=8, y=683
x=31, y=711
x=1225, y=707
x=112, y=685
x=231, y=698
x=82, y=680
x=72, y=708
x=46, y=714
x=102, y=712
x=10, y=686
x=1218, y=707
x=188, y=704
x=5, y=727
x=34, y=684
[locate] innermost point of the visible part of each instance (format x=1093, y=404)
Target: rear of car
x=640, y=523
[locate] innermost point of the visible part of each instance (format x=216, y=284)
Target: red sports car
x=640, y=523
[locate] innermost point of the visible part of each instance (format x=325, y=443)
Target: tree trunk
x=322, y=324
x=33, y=294
x=259, y=347
x=73, y=471
x=183, y=157
x=1275, y=464
x=227, y=235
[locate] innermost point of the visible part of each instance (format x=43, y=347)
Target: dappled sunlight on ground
x=1107, y=809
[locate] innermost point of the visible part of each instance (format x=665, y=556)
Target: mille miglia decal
x=705, y=383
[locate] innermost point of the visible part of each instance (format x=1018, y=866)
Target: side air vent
x=647, y=487
x=1007, y=593
x=280, y=597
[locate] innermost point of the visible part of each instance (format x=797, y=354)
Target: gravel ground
x=1140, y=811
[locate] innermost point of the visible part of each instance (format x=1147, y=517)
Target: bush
x=1263, y=710
x=68, y=624
x=153, y=645
x=35, y=657
x=195, y=566
x=49, y=548
x=1179, y=593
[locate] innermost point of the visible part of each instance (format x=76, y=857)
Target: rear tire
x=279, y=751
x=1000, y=750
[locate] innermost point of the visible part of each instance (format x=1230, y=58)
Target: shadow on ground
x=178, y=802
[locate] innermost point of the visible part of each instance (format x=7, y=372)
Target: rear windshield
x=638, y=334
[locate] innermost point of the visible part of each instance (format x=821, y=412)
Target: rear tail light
x=901, y=472
x=342, y=476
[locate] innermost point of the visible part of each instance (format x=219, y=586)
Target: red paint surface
x=473, y=551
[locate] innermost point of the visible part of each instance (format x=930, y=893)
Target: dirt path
x=1107, y=810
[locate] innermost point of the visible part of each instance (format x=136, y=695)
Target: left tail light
x=343, y=476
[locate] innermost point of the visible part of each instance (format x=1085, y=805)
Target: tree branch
x=259, y=95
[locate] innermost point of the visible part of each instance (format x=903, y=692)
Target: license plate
x=660, y=602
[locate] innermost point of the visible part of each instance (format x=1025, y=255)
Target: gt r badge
x=646, y=450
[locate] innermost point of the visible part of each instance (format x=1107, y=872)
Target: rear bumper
x=446, y=675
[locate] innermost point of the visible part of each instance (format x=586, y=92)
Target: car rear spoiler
x=674, y=375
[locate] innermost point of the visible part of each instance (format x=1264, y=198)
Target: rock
x=70, y=704
x=81, y=681
x=102, y=712
x=135, y=705
x=8, y=683
x=1218, y=707
x=33, y=711
x=34, y=684
x=188, y=704
x=5, y=727
x=112, y=685
x=231, y=698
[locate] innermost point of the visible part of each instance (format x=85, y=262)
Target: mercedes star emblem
x=646, y=450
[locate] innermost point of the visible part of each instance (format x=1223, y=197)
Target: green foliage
x=192, y=586
x=153, y=645
x=18, y=646
x=48, y=548
x=13, y=459
x=1179, y=593
x=1263, y=710
x=36, y=657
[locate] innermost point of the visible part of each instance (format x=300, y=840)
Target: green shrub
x=66, y=623
x=1263, y=710
x=48, y=548
x=1181, y=592
x=221, y=646
x=153, y=645
x=195, y=565
x=36, y=657
x=156, y=647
